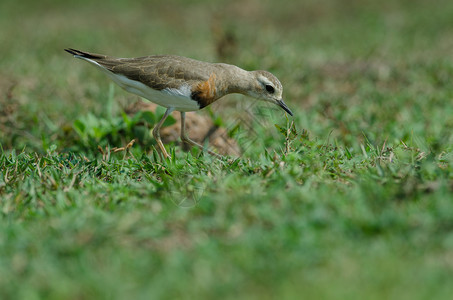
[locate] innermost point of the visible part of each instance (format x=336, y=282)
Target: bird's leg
x=156, y=132
x=185, y=138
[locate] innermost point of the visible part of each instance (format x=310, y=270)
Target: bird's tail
x=82, y=54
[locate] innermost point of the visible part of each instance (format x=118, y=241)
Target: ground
x=352, y=198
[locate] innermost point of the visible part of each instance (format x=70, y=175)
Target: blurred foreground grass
x=355, y=202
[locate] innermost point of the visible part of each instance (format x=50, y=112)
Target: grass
x=350, y=199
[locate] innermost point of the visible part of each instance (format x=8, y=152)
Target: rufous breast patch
x=205, y=92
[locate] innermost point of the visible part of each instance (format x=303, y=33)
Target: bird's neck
x=236, y=80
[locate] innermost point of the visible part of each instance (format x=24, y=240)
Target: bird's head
x=268, y=88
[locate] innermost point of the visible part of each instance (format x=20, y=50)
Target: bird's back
x=156, y=71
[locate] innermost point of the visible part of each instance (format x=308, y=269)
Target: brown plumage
x=184, y=84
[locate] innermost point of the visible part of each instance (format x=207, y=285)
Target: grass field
x=350, y=199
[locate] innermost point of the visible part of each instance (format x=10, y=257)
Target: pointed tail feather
x=82, y=54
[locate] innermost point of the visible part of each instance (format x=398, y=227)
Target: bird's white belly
x=179, y=99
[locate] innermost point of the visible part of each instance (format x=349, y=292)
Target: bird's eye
x=270, y=88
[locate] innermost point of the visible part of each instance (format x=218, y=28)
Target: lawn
x=352, y=198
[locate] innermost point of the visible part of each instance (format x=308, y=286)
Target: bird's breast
x=205, y=92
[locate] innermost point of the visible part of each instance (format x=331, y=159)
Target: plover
x=184, y=84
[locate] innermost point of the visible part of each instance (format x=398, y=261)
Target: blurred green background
x=360, y=207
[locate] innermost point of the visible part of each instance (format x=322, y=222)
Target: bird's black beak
x=285, y=108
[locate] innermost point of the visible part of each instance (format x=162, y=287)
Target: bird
x=183, y=84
